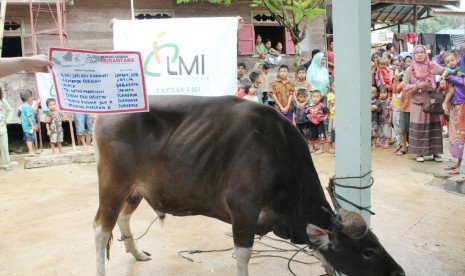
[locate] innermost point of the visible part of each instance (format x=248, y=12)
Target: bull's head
x=351, y=248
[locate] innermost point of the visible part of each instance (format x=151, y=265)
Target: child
x=53, y=123
x=407, y=62
x=385, y=118
x=317, y=114
x=250, y=93
x=300, y=106
x=331, y=103
x=396, y=104
x=281, y=91
x=450, y=62
x=384, y=74
x=301, y=82
x=279, y=47
x=240, y=90
x=456, y=96
x=376, y=109
x=256, y=81
x=28, y=121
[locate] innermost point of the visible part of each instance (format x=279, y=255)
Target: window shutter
x=290, y=49
x=246, y=40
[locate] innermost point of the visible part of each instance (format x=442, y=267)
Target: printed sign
x=98, y=82
x=183, y=56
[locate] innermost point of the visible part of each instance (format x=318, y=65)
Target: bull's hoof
x=143, y=256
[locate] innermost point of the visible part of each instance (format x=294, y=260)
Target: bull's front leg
x=244, y=223
x=243, y=255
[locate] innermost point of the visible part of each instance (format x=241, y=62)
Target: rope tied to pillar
x=333, y=184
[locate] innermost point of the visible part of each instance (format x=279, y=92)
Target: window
x=153, y=14
x=266, y=25
x=13, y=38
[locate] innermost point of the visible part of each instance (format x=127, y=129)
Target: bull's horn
x=330, y=189
x=353, y=223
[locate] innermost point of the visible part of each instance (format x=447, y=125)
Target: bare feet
x=396, y=149
x=460, y=180
x=452, y=167
x=320, y=151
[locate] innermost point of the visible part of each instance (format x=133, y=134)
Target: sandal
x=385, y=146
x=398, y=148
x=455, y=171
x=420, y=159
x=401, y=152
x=450, y=168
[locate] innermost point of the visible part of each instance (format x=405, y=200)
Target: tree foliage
x=288, y=13
x=434, y=24
x=291, y=14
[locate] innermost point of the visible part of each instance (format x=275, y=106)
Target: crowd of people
x=306, y=97
x=400, y=86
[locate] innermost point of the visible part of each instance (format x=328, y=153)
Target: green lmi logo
x=176, y=65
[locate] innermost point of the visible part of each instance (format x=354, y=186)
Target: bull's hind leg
x=123, y=222
x=111, y=201
x=104, y=223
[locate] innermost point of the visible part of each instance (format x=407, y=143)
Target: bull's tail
x=110, y=239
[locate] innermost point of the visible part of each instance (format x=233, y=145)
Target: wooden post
x=2, y=24
x=414, y=18
x=353, y=95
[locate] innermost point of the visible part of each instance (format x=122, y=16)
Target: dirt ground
x=47, y=214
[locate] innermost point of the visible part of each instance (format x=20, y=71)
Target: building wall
x=87, y=29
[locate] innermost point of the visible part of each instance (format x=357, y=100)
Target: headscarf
x=404, y=55
x=422, y=71
x=318, y=75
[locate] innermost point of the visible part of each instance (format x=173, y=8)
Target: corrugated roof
x=394, y=12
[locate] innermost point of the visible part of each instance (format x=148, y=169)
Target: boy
x=53, y=123
x=281, y=91
x=256, y=81
x=301, y=82
x=317, y=114
x=330, y=132
x=301, y=121
x=28, y=121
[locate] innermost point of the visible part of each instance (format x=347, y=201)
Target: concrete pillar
x=351, y=19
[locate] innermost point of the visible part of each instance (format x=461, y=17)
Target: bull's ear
x=318, y=236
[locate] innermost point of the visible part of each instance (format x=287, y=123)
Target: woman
x=273, y=57
x=6, y=114
x=330, y=57
x=425, y=132
x=260, y=48
x=317, y=74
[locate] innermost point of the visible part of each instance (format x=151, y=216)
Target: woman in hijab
x=317, y=74
x=425, y=132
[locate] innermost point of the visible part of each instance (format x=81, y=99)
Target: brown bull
x=230, y=159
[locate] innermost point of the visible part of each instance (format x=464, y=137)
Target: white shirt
x=251, y=98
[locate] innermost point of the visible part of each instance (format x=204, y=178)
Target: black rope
x=258, y=253
x=338, y=196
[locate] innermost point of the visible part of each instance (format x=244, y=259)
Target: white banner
x=185, y=56
x=45, y=88
x=98, y=82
